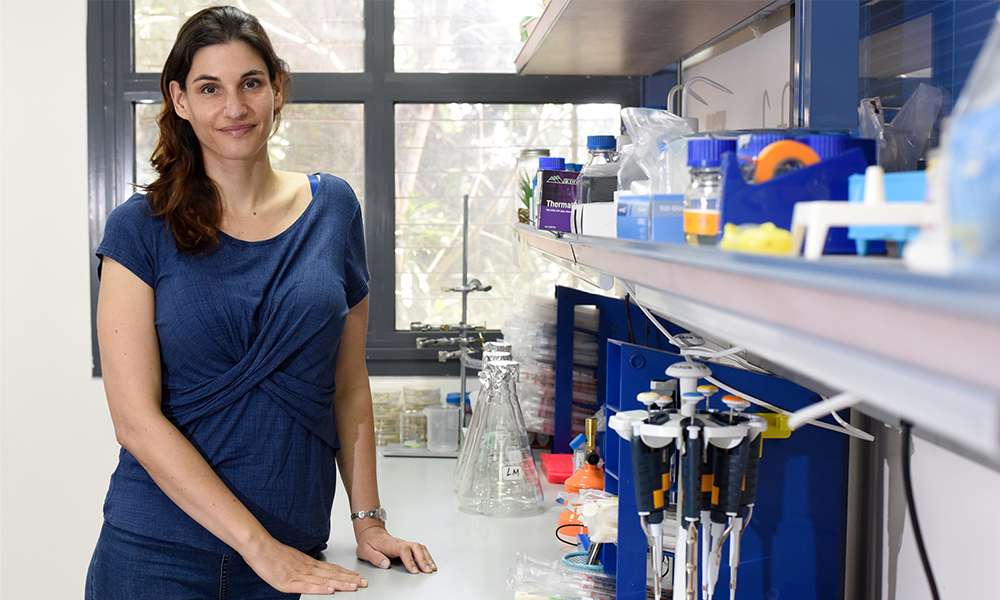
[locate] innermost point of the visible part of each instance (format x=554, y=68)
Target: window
x=312, y=36
x=350, y=117
x=458, y=36
x=903, y=44
x=444, y=151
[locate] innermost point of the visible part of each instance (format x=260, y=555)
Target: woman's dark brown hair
x=183, y=194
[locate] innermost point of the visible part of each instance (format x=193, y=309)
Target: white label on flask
x=512, y=473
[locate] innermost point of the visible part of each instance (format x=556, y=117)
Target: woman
x=231, y=319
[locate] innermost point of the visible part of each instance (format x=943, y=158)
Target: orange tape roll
x=783, y=156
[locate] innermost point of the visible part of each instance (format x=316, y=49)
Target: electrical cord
x=849, y=430
x=628, y=320
x=571, y=543
x=908, y=487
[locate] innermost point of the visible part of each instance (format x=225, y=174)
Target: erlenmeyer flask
x=501, y=479
x=475, y=430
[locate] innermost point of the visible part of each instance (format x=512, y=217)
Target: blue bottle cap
x=707, y=152
x=575, y=167
x=755, y=143
x=455, y=397
x=601, y=142
x=827, y=146
x=551, y=163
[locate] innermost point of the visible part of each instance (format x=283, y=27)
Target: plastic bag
x=902, y=141
x=973, y=165
x=648, y=129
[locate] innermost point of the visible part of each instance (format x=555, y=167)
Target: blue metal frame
x=825, y=68
x=612, y=326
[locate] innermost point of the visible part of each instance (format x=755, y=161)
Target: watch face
x=380, y=514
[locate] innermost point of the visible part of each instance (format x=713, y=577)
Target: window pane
x=904, y=44
x=312, y=36
x=446, y=150
x=312, y=138
x=461, y=36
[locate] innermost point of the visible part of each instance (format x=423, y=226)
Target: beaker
x=442, y=428
x=501, y=479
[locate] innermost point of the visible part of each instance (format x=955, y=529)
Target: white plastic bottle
x=703, y=198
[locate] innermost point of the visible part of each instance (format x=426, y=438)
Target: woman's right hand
x=293, y=572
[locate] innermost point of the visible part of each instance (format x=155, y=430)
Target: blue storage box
x=906, y=186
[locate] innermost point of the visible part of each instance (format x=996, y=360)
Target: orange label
x=701, y=222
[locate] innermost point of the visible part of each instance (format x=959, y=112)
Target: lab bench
x=472, y=552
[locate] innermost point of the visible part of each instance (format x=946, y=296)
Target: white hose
x=815, y=410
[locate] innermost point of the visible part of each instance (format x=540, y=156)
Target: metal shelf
x=916, y=347
x=629, y=37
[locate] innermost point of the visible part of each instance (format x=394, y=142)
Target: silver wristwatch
x=378, y=512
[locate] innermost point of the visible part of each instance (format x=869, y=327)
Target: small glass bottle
x=598, y=179
x=703, y=198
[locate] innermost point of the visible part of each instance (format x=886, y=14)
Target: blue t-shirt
x=249, y=334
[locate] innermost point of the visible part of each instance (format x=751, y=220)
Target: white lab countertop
x=472, y=552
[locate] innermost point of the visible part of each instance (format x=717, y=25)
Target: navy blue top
x=249, y=334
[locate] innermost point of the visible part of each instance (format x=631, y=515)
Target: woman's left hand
x=377, y=547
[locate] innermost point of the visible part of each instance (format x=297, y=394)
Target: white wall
x=755, y=69
x=57, y=444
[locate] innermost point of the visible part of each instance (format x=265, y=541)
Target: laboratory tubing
x=501, y=479
x=703, y=198
x=598, y=179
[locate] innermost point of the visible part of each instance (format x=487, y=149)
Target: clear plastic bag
x=902, y=141
x=972, y=165
x=650, y=130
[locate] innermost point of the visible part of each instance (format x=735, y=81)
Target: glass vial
x=703, y=198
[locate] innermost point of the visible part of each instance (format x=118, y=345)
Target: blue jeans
x=127, y=566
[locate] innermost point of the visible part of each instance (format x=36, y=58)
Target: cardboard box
x=556, y=194
x=633, y=217
x=666, y=219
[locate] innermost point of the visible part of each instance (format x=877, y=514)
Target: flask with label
x=500, y=479
x=703, y=198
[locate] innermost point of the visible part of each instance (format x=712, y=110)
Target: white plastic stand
x=812, y=221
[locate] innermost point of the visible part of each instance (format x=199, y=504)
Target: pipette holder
x=774, y=200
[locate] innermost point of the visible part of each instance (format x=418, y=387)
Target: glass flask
x=501, y=479
x=474, y=433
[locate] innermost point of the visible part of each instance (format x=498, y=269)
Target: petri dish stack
x=413, y=421
x=386, y=408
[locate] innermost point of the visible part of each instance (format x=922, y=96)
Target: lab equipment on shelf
x=500, y=479
x=598, y=179
x=714, y=454
x=703, y=198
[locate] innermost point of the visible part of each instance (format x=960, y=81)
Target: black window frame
x=114, y=87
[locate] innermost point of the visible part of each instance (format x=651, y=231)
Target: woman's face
x=229, y=102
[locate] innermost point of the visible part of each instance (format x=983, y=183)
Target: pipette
x=651, y=467
x=747, y=500
x=707, y=477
